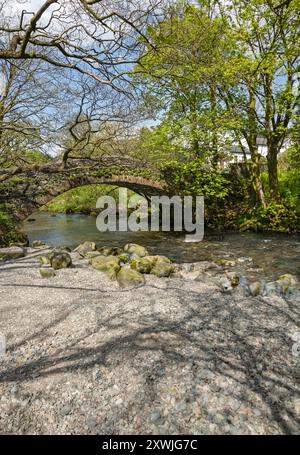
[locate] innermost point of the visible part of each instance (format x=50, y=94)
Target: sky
x=15, y=8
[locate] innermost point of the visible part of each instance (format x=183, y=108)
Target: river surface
x=256, y=255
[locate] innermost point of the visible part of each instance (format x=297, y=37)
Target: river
x=258, y=255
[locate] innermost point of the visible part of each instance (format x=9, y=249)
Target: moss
x=8, y=232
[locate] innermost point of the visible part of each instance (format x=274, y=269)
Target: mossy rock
x=128, y=277
x=62, y=249
x=134, y=248
x=161, y=259
x=142, y=265
x=45, y=259
x=287, y=280
x=107, y=264
x=110, y=251
x=37, y=243
x=85, y=247
x=225, y=263
x=163, y=269
x=255, y=288
x=234, y=278
x=47, y=272
x=60, y=260
x=125, y=258
x=92, y=254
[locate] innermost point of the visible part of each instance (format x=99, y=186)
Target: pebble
x=65, y=410
x=91, y=422
x=156, y=417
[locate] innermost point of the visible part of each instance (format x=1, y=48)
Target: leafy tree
x=180, y=68
x=227, y=70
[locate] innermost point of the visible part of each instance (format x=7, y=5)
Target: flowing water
x=257, y=255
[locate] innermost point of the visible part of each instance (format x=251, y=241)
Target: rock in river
x=38, y=243
x=287, y=280
x=133, y=248
x=84, y=247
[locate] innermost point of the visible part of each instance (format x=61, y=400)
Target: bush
x=80, y=200
x=8, y=233
x=279, y=217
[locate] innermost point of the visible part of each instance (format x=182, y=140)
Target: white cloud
x=14, y=8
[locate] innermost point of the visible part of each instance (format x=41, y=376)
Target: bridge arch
x=140, y=185
x=30, y=191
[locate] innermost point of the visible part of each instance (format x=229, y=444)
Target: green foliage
x=290, y=159
x=289, y=184
x=8, y=233
x=196, y=178
x=278, y=217
x=36, y=157
x=82, y=199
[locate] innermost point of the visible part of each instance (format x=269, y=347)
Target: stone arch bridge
x=30, y=189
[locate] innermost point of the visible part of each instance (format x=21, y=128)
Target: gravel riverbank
x=169, y=357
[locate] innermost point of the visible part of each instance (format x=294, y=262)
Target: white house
x=237, y=154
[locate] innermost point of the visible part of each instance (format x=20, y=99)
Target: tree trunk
x=273, y=172
x=256, y=177
x=251, y=139
x=213, y=107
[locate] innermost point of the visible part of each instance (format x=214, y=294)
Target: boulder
x=62, y=249
x=255, y=288
x=142, y=265
x=47, y=272
x=125, y=258
x=244, y=285
x=162, y=269
x=271, y=288
x=116, y=251
x=110, y=251
x=92, y=254
x=292, y=294
x=287, y=280
x=127, y=277
x=224, y=284
x=44, y=259
x=60, y=260
x=84, y=247
x=225, y=263
x=37, y=243
x=108, y=264
x=12, y=252
x=161, y=259
x=233, y=278
x=133, y=248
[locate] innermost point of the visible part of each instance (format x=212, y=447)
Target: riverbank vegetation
x=206, y=92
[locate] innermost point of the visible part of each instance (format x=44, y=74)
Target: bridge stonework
x=28, y=191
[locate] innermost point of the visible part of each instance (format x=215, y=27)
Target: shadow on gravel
x=244, y=341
